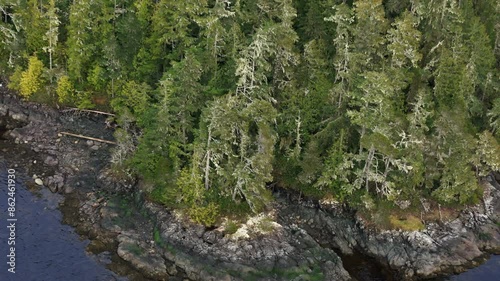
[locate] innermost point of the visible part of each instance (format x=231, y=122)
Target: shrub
x=84, y=100
x=206, y=215
x=15, y=79
x=65, y=91
x=231, y=227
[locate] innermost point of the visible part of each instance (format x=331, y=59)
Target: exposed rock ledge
x=451, y=247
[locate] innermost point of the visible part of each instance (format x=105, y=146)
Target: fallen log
x=88, y=138
x=88, y=110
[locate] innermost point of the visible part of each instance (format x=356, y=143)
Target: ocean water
x=489, y=271
x=45, y=249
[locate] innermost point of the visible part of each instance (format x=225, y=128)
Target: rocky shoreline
x=300, y=242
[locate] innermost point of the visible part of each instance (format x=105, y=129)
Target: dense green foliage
x=395, y=99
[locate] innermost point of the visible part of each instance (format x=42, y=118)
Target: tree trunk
x=207, y=165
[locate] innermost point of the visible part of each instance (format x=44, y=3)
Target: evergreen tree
x=404, y=41
x=369, y=34
x=216, y=99
x=80, y=47
x=52, y=32
x=31, y=79
x=9, y=36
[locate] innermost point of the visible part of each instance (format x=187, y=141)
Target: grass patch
x=231, y=227
x=208, y=211
x=388, y=216
x=134, y=249
x=483, y=236
x=161, y=243
x=408, y=223
x=157, y=238
x=266, y=224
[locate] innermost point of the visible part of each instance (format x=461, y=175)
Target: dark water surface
x=489, y=271
x=365, y=269
x=45, y=249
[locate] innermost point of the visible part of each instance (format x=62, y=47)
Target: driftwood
x=88, y=138
x=89, y=110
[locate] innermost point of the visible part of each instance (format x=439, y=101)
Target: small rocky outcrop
x=446, y=248
x=142, y=255
x=286, y=251
x=12, y=115
x=55, y=182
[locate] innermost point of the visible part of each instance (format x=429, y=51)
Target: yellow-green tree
x=65, y=90
x=31, y=79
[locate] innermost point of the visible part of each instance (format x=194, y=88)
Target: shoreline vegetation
x=390, y=108
x=373, y=103
x=162, y=242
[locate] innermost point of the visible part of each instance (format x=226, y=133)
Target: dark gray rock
x=115, y=183
x=195, y=249
x=439, y=249
x=68, y=189
x=51, y=161
x=18, y=117
x=4, y=110
x=55, y=183
x=142, y=256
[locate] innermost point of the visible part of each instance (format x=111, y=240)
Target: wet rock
x=449, y=247
x=14, y=135
x=104, y=257
x=19, y=117
x=115, y=183
x=12, y=116
x=51, y=151
x=144, y=258
x=55, y=183
x=334, y=271
x=211, y=255
x=51, y=161
x=4, y=110
x=109, y=217
x=68, y=189
x=210, y=237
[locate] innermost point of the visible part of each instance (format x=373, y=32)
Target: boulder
x=55, y=183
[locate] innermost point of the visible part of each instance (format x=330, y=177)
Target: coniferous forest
x=366, y=102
